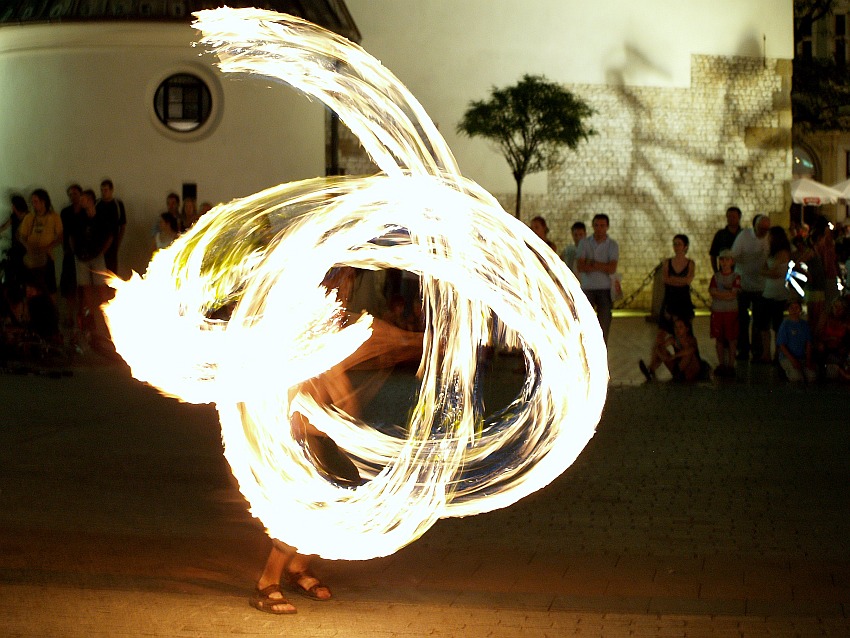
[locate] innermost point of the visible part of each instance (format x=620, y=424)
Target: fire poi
x=485, y=278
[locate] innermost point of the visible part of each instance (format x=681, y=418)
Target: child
x=794, y=341
x=724, y=288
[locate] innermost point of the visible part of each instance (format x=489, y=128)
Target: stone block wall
x=667, y=161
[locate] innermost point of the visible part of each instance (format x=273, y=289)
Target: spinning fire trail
x=265, y=257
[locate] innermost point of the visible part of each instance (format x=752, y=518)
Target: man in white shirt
x=596, y=259
x=750, y=251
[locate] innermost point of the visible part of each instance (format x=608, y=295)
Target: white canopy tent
x=811, y=193
x=844, y=188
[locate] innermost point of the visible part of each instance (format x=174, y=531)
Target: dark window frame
x=183, y=102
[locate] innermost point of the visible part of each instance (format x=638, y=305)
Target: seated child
x=794, y=340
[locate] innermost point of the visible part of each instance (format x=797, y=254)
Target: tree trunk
x=518, y=195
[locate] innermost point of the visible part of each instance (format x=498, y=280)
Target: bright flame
x=265, y=258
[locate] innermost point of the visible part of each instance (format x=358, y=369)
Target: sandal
x=263, y=601
x=294, y=579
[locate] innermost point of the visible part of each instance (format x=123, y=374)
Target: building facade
x=97, y=89
x=692, y=106
x=824, y=155
x=691, y=99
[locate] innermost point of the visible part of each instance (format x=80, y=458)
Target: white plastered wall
x=76, y=103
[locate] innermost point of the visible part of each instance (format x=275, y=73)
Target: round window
x=183, y=102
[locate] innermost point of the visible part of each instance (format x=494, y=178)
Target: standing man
x=578, y=231
x=750, y=251
x=68, y=278
x=597, y=258
x=172, y=206
x=90, y=242
x=725, y=237
x=112, y=209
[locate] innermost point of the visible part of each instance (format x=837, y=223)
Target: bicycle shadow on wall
x=662, y=161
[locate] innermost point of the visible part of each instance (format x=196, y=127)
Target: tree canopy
x=529, y=122
x=807, y=12
x=820, y=96
x=820, y=92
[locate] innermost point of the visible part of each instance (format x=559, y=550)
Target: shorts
x=724, y=325
x=92, y=272
x=795, y=375
x=41, y=278
x=775, y=312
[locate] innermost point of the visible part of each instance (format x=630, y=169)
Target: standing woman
x=541, y=229
x=40, y=233
x=12, y=266
x=167, y=231
x=677, y=273
x=775, y=293
x=189, y=214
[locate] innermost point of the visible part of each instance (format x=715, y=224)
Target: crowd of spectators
x=89, y=230
x=777, y=297
x=761, y=273
x=60, y=304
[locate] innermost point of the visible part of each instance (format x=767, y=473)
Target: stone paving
x=715, y=509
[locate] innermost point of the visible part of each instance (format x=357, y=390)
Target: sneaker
x=645, y=371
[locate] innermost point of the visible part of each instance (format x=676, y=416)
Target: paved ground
x=719, y=509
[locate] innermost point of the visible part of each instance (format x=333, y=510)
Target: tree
x=820, y=91
x=806, y=13
x=820, y=95
x=529, y=122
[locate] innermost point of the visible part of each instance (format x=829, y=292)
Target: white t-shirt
x=605, y=251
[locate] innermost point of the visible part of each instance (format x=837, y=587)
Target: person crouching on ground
x=678, y=352
x=794, y=341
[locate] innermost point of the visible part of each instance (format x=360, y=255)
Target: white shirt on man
x=750, y=253
x=605, y=251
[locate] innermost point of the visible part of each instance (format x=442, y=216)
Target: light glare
x=265, y=257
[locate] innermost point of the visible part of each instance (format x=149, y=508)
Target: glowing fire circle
x=267, y=255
